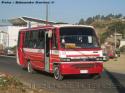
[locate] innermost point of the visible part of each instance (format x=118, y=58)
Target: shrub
x=122, y=49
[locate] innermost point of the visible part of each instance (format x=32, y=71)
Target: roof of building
x=118, y=34
x=5, y=23
x=24, y=20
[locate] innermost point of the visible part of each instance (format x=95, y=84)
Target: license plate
x=84, y=71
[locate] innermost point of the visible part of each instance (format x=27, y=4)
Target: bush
x=122, y=49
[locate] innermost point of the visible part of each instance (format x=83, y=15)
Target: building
x=9, y=32
x=3, y=33
x=122, y=42
x=118, y=36
x=9, y=35
x=29, y=22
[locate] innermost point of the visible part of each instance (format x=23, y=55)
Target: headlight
x=99, y=59
x=65, y=59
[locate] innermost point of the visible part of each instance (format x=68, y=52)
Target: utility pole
x=115, y=46
x=47, y=10
x=47, y=14
x=115, y=39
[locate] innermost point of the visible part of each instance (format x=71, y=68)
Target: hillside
x=106, y=26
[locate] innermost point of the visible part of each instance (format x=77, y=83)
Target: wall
x=11, y=32
x=13, y=35
x=122, y=42
x=3, y=35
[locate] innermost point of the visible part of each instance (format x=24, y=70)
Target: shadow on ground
x=118, y=80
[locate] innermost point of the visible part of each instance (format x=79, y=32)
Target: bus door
x=47, y=52
x=20, y=55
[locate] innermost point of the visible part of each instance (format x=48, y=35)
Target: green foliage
x=89, y=20
x=81, y=22
x=122, y=49
x=110, y=23
x=13, y=48
x=103, y=37
x=118, y=26
x=108, y=17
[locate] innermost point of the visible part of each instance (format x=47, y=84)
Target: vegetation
x=14, y=48
x=106, y=25
x=9, y=84
x=122, y=49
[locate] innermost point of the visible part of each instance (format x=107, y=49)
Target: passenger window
x=41, y=39
x=54, y=40
x=34, y=39
x=27, y=39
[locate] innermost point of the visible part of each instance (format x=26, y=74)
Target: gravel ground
x=116, y=68
x=116, y=65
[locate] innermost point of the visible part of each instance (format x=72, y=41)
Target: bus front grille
x=83, y=66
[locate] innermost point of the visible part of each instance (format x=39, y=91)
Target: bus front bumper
x=81, y=68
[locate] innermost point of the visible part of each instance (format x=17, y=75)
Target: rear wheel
x=57, y=73
x=29, y=67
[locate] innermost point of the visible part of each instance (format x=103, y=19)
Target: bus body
x=60, y=49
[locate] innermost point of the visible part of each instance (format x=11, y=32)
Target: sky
x=70, y=11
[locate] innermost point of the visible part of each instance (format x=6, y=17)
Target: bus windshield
x=78, y=37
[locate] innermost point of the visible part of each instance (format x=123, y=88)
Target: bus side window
x=35, y=39
x=27, y=36
x=40, y=43
x=54, y=40
x=25, y=39
x=18, y=44
x=30, y=40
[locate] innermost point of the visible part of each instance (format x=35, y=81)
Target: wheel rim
x=29, y=67
x=56, y=73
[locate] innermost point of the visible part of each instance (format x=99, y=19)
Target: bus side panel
x=37, y=60
x=36, y=57
x=20, y=54
x=54, y=57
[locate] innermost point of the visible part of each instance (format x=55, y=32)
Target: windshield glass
x=78, y=37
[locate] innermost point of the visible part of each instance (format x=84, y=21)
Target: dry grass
x=9, y=84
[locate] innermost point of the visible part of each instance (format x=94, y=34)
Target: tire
x=29, y=68
x=57, y=73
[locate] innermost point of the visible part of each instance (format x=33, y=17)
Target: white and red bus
x=60, y=49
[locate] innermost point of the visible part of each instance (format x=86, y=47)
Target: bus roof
x=56, y=26
x=69, y=25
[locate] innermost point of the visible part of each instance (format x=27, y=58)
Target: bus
x=60, y=50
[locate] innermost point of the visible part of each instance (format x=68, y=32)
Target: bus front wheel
x=29, y=67
x=57, y=73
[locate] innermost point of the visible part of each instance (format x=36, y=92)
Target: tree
x=97, y=17
x=89, y=20
x=81, y=22
x=118, y=16
x=102, y=17
x=118, y=26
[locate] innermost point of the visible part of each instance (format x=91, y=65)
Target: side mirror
x=49, y=33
